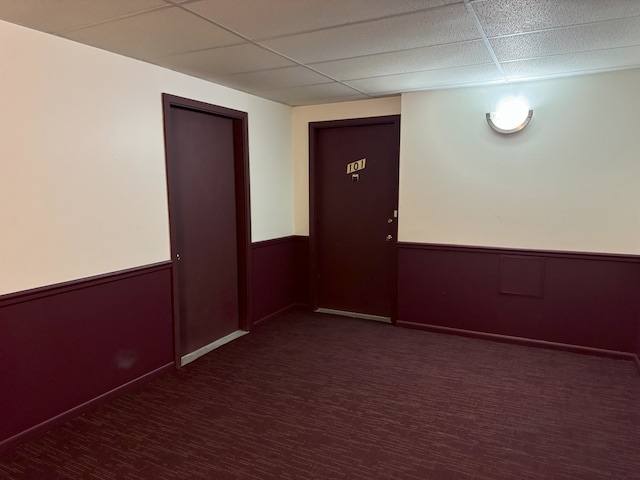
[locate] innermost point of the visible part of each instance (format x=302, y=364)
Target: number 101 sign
x=356, y=166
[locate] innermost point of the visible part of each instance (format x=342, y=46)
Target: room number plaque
x=356, y=166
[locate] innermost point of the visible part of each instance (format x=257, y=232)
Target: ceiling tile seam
x=257, y=44
x=429, y=70
x=311, y=66
x=449, y=86
x=200, y=50
x=233, y=76
x=576, y=52
x=437, y=86
x=250, y=92
x=263, y=70
x=485, y=40
x=402, y=50
x=341, y=25
x=223, y=78
x=112, y=19
x=356, y=89
x=275, y=87
x=565, y=27
x=573, y=73
x=284, y=89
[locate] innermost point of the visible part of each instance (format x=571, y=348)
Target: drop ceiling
x=302, y=52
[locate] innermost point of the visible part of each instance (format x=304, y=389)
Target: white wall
x=300, y=137
x=570, y=181
x=82, y=179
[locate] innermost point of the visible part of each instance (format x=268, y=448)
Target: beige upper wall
x=570, y=181
x=82, y=179
x=302, y=116
x=82, y=173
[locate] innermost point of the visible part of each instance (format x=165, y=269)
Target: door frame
x=314, y=129
x=243, y=206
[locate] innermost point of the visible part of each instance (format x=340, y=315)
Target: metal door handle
x=389, y=238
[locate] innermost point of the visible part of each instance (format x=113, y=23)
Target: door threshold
x=363, y=316
x=190, y=357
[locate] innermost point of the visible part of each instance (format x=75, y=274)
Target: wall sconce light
x=511, y=116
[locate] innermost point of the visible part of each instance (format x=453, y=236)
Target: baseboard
x=277, y=313
x=190, y=357
x=528, y=342
x=361, y=316
x=47, y=425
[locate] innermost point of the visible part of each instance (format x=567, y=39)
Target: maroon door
x=203, y=225
x=354, y=168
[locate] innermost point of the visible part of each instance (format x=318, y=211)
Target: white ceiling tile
x=503, y=17
x=432, y=27
x=327, y=92
x=259, y=19
x=54, y=16
x=274, y=79
x=155, y=34
x=216, y=62
x=414, y=60
x=469, y=75
x=382, y=46
x=574, y=63
x=595, y=36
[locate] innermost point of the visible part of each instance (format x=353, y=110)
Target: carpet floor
x=310, y=396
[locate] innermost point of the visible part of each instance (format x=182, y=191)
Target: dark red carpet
x=319, y=397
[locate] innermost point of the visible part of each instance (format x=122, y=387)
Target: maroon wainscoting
x=280, y=276
x=589, y=300
x=67, y=346
x=637, y=359
x=301, y=256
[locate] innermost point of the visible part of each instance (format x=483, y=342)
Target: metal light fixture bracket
x=516, y=129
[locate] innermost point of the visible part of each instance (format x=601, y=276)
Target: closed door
x=204, y=232
x=354, y=165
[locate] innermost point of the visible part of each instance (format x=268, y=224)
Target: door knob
x=389, y=238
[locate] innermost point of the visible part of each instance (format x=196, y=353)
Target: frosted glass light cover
x=511, y=115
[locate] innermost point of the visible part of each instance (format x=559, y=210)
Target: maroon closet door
x=354, y=205
x=203, y=223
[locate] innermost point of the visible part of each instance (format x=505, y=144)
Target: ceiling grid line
x=556, y=55
x=563, y=27
x=334, y=25
x=112, y=19
x=259, y=45
x=304, y=52
x=435, y=70
x=485, y=39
